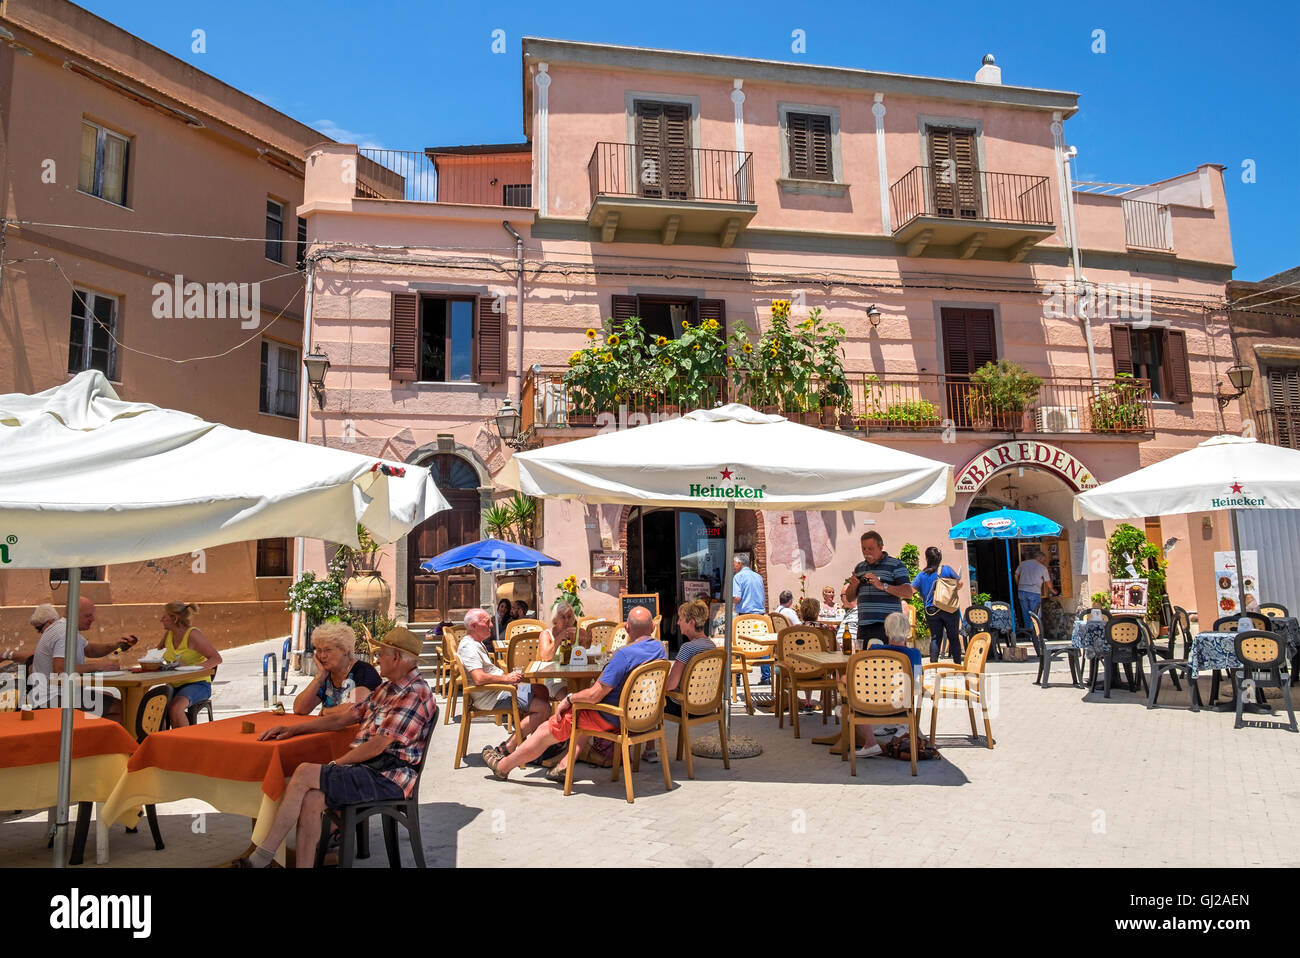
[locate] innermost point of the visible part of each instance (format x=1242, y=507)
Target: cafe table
x=229, y=769
x=29, y=767
x=133, y=683
x=1212, y=651
x=577, y=676
x=835, y=662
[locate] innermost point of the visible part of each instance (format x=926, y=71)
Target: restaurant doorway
x=678, y=554
x=445, y=596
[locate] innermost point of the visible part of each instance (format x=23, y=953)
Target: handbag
x=947, y=595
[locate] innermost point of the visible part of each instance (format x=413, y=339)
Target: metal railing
x=503, y=179
x=672, y=173
x=1278, y=426
x=971, y=195
x=911, y=403
x=1146, y=225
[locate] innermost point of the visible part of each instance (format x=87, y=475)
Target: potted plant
x=1007, y=389
x=317, y=599
x=364, y=589
x=1119, y=406
x=1101, y=600
x=982, y=598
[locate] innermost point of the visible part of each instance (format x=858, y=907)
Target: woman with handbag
x=938, y=585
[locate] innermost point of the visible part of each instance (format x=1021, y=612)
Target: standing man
x=748, y=596
x=882, y=584
x=1031, y=575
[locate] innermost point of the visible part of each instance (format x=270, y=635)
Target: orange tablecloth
x=36, y=742
x=220, y=750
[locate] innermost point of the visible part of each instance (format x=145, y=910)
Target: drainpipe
x=1071, y=153
x=519, y=313
x=304, y=407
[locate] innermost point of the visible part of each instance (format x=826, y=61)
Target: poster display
x=1225, y=581
x=1129, y=596
x=697, y=589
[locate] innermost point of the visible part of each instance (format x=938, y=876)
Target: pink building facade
x=933, y=219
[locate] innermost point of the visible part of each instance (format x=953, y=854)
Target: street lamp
x=317, y=364
x=1240, y=376
x=873, y=314
x=508, y=422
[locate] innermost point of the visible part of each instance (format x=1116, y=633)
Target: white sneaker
x=870, y=751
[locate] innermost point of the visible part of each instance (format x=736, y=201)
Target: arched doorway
x=445, y=596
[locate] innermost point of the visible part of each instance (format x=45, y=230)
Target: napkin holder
x=1095, y=615
x=578, y=656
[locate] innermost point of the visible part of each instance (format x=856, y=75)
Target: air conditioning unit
x=1057, y=419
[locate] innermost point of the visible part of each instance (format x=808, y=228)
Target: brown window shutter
x=623, y=308
x=490, y=342
x=1177, y=368
x=956, y=344
x=796, y=132
x=404, y=362
x=969, y=340
x=713, y=309
x=958, y=196
x=1121, y=349
x=808, y=138
x=819, y=142
x=677, y=150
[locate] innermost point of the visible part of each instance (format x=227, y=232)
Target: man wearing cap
x=379, y=765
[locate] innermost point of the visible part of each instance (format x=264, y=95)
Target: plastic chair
x=640, y=714
x=352, y=821
x=699, y=693
x=795, y=677
x=600, y=631
x=746, y=654
x=522, y=651
x=1274, y=611
x=971, y=689
x=879, y=685
x=1123, y=638
x=449, y=674
x=1261, y=655
x=1048, y=652
x=1173, y=666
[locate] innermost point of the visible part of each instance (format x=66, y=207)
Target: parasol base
x=738, y=746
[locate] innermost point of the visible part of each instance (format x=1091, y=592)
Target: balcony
x=466, y=176
x=978, y=210
x=879, y=404
x=670, y=192
x=1278, y=426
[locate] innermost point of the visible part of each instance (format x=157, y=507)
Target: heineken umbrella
x=1005, y=524
x=731, y=456
x=87, y=478
x=1223, y=472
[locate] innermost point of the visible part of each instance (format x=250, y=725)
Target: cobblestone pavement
x=1074, y=780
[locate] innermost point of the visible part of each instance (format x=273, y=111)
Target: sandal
x=556, y=774
x=494, y=762
x=489, y=750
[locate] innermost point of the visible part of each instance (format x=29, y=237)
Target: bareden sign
x=1026, y=452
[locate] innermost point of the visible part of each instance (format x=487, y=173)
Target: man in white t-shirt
x=1030, y=576
x=481, y=670
x=47, y=663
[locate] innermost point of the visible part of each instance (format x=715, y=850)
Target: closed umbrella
x=1005, y=524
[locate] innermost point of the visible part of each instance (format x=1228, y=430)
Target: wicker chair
x=617, y=639
x=600, y=631
x=793, y=677
x=745, y=653
x=470, y=712
x=586, y=620
x=971, y=688
x=878, y=687
x=1124, y=636
x=640, y=714
x=699, y=694
x=1262, y=655
x=522, y=625
x=522, y=651
x=1159, y=666
x=449, y=673
x=1048, y=652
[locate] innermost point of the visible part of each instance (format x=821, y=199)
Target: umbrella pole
x=726, y=599
x=1011, y=584
x=70, y=633
x=1241, y=573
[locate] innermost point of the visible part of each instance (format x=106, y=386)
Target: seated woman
x=809, y=610
x=341, y=680
x=505, y=615
x=192, y=649
x=898, y=628
x=693, y=623
x=564, y=625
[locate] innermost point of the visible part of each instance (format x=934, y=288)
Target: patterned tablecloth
x=1000, y=621
x=1218, y=650
x=1089, y=636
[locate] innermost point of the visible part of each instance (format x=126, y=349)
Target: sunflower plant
x=568, y=590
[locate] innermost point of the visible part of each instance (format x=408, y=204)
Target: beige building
x=126, y=171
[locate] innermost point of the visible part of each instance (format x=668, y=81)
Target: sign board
x=608, y=564
x=1227, y=600
x=1129, y=596
x=628, y=601
x=697, y=589
x=1024, y=452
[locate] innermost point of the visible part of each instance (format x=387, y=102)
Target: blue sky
x=1178, y=84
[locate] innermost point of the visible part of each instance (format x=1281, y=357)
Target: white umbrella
x=1223, y=472
x=88, y=479
x=731, y=455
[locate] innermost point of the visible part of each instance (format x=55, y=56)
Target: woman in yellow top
x=186, y=645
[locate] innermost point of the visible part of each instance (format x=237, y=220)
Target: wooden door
x=953, y=173
x=663, y=150
x=445, y=596
x=969, y=341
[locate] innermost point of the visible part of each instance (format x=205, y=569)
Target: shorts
x=672, y=708
x=353, y=784
x=523, y=694
x=195, y=692
x=561, y=726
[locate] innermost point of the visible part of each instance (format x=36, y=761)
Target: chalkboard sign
x=628, y=601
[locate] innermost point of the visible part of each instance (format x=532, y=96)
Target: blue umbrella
x=490, y=555
x=1006, y=524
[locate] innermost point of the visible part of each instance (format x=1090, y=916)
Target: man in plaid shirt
x=380, y=763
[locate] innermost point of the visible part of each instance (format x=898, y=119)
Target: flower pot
x=366, y=592
x=846, y=421
x=770, y=410
x=828, y=417
x=811, y=418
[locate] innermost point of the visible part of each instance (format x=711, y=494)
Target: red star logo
x=726, y=474
x=1236, y=487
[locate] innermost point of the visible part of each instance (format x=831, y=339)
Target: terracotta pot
x=846, y=422
x=812, y=418
x=772, y=410
x=1009, y=420
x=366, y=592
x=828, y=417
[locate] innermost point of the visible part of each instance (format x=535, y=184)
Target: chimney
x=989, y=73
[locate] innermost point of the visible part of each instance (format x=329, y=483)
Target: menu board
x=1225, y=582
x=1129, y=596
x=697, y=589
x=628, y=601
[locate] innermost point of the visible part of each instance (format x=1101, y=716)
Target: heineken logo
x=4, y=548
x=727, y=485
x=1236, y=501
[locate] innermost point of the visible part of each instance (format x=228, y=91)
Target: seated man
x=380, y=763
x=47, y=665
x=641, y=648
x=481, y=670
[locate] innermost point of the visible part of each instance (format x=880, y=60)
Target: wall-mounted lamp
x=1241, y=376
x=873, y=314
x=1207, y=525
x=508, y=423
x=317, y=364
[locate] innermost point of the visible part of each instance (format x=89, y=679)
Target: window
x=91, y=333
x=517, y=194
x=808, y=142
x=272, y=557
x=953, y=175
x=448, y=338
x=1283, y=413
x=663, y=315
x=302, y=243
x=89, y=573
x=279, y=380
x=274, y=230
x=103, y=163
x=1156, y=355
x=663, y=150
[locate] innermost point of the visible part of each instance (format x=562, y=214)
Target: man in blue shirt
x=882, y=584
x=747, y=592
